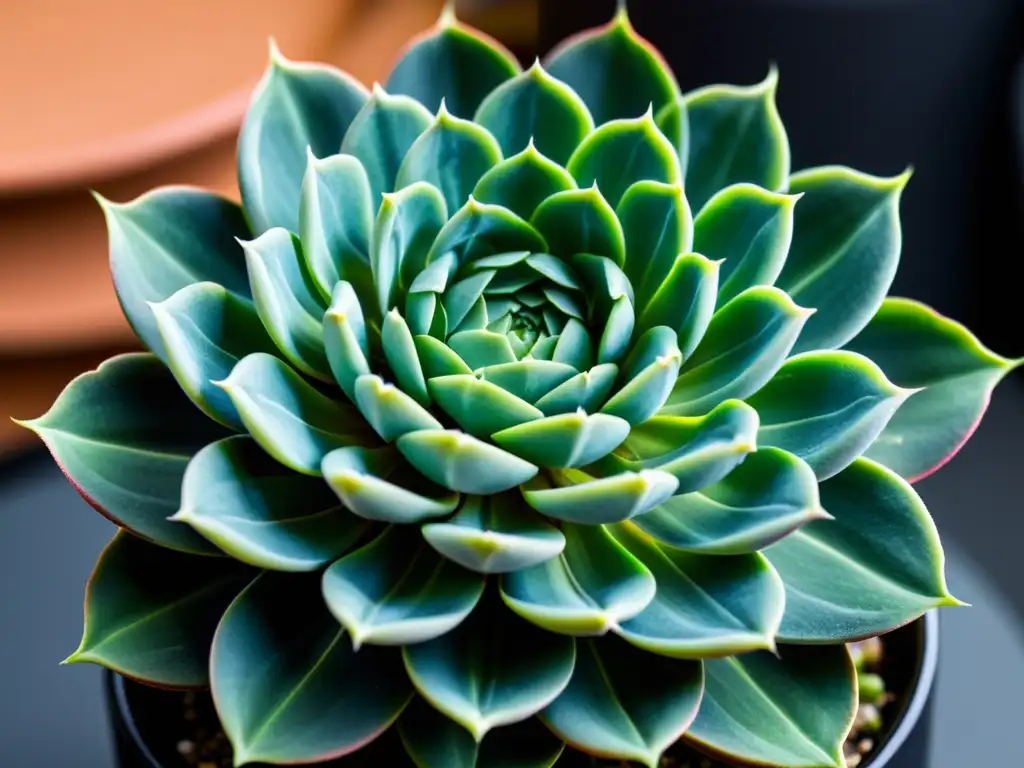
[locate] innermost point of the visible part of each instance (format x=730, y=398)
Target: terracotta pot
x=138, y=94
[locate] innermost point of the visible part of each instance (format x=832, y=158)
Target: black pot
x=139, y=714
x=877, y=85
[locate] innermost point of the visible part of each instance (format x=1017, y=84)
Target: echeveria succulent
x=516, y=408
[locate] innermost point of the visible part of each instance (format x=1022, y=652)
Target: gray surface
x=53, y=716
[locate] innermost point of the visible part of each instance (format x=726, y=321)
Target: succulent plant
x=516, y=409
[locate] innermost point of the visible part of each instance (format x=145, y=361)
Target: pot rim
x=922, y=684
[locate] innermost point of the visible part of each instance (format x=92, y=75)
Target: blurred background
x=123, y=95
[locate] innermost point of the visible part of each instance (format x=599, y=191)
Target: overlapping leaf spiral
x=516, y=394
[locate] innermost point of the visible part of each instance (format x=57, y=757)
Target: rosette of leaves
x=516, y=409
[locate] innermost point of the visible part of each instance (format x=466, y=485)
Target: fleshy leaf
x=749, y=227
x=566, y=440
x=625, y=703
x=366, y=481
x=288, y=303
x=685, y=301
x=529, y=380
x=479, y=229
x=616, y=72
x=494, y=669
x=125, y=457
x=705, y=606
x=854, y=576
x=576, y=497
x=150, y=612
x=480, y=407
x=672, y=121
x=396, y=590
x=622, y=152
x=381, y=134
x=745, y=344
x=463, y=463
x=769, y=495
x=438, y=359
x=826, y=407
x=452, y=155
x=390, y=411
x=735, y=135
x=845, y=249
x=319, y=699
x=917, y=347
x=592, y=587
x=534, y=107
x=433, y=740
x=522, y=182
x=587, y=390
x=291, y=420
x=336, y=214
x=262, y=513
x=658, y=227
x=651, y=371
x=482, y=349
x=407, y=223
x=205, y=330
x=494, y=534
x=580, y=221
x=452, y=63
x=296, y=107
x=400, y=352
x=346, y=341
x=794, y=710
x=696, y=450
x=166, y=240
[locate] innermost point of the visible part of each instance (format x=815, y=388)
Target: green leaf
x=587, y=390
x=650, y=373
x=438, y=359
x=336, y=214
x=366, y=480
x=767, y=497
x=150, y=612
x=262, y=513
x=346, y=342
x=749, y=227
x=625, y=703
x=478, y=230
x=591, y=587
x=623, y=152
x=576, y=497
x=482, y=349
x=534, y=107
x=522, y=182
x=435, y=741
x=166, y=240
x=876, y=566
x=288, y=303
x=452, y=154
x=696, y=450
x=673, y=121
x=380, y=136
x=919, y=348
x=574, y=347
x=495, y=534
x=735, y=135
x=685, y=301
x=480, y=407
x=658, y=227
x=396, y=590
x=291, y=420
x=529, y=380
x=826, y=407
x=617, y=72
x=319, y=699
x=390, y=411
x=125, y=457
x=580, y=221
x=463, y=463
x=296, y=106
x=746, y=342
x=494, y=669
x=845, y=250
x=793, y=711
x=705, y=606
x=566, y=440
x=452, y=63
x=400, y=351
x=205, y=330
x=407, y=223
